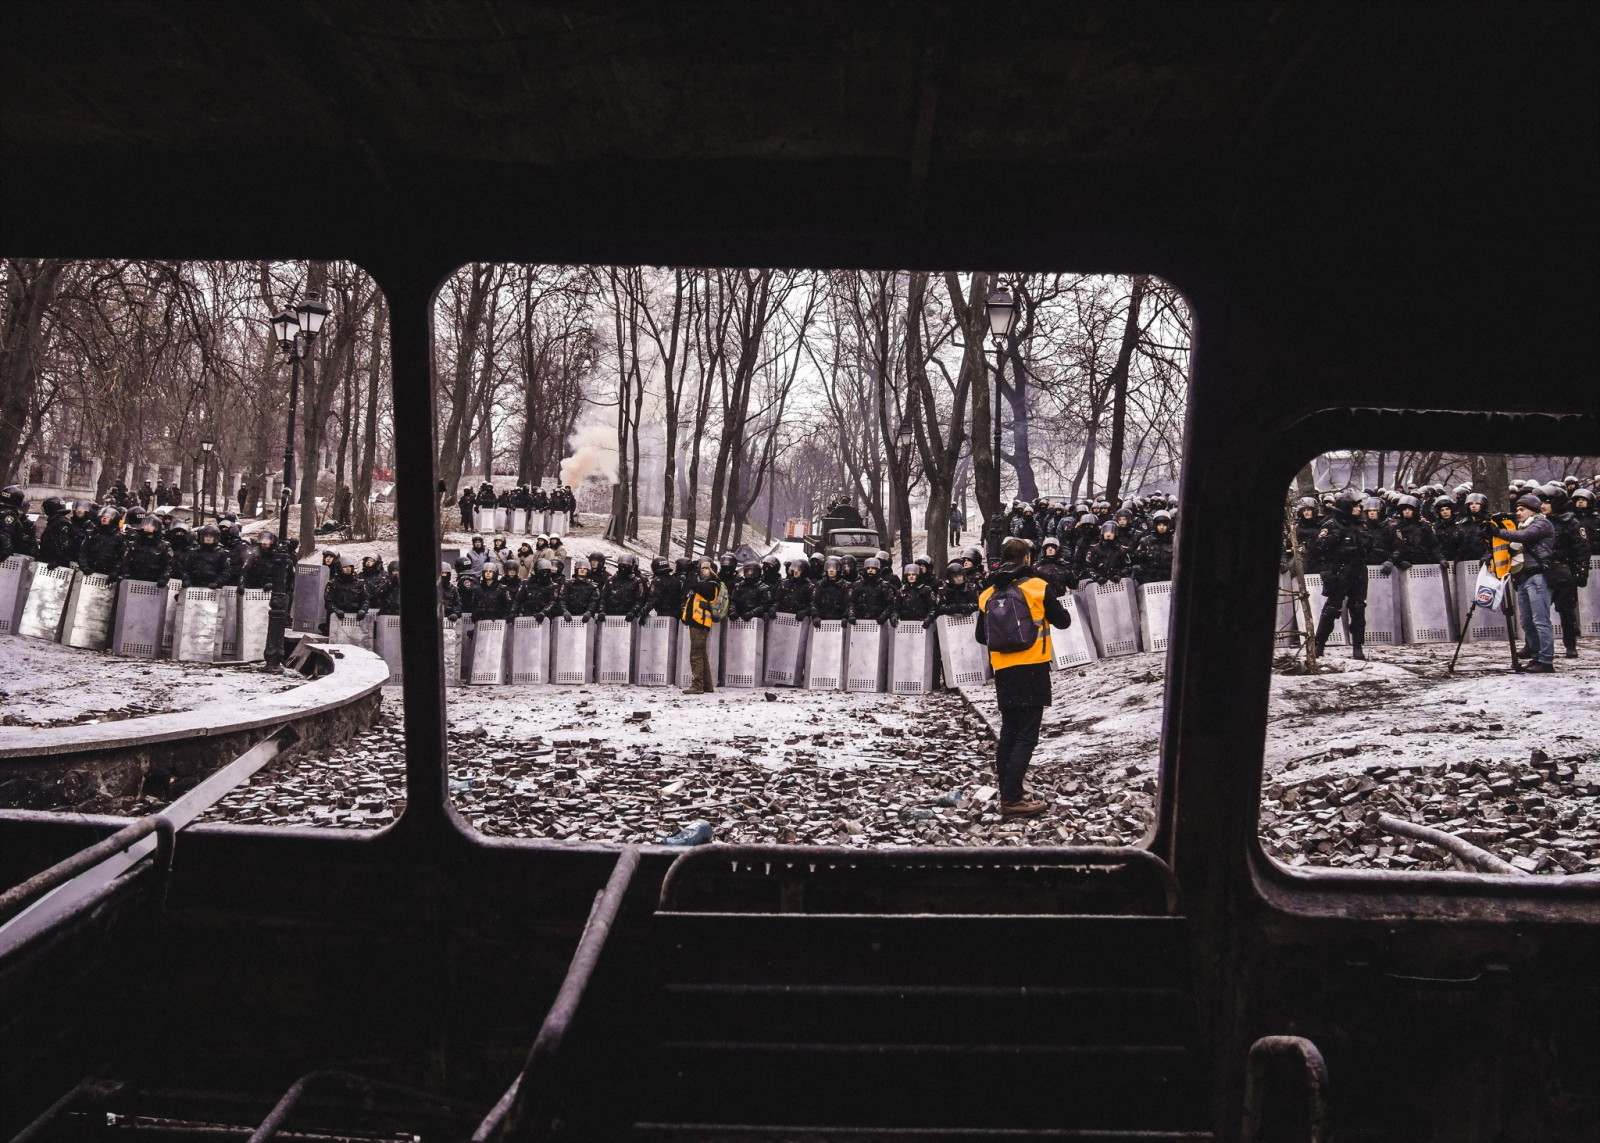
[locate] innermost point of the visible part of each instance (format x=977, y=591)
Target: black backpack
x=1009, y=625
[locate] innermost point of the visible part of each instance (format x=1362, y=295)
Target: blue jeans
x=1533, y=598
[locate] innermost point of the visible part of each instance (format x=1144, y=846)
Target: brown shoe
x=694, y=690
x=1022, y=808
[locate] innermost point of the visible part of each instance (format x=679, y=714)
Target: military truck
x=840, y=531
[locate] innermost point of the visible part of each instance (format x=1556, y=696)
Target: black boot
x=1324, y=629
x=1356, y=652
x=1572, y=645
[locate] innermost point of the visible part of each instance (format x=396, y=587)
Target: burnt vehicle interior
x=1383, y=218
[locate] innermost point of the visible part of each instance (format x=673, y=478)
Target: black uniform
x=1153, y=558
x=272, y=569
x=388, y=599
x=623, y=594
x=579, y=597
x=871, y=598
x=205, y=565
x=58, y=546
x=1412, y=542
x=793, y=596
x=915, y=602
x=449, y=601
x=148, y=558
x=1056, y=570
x=1343, y=549
x=1457, y=541
x=1107, y=561
x=538, y=595
x=831, y=599
x=493, y=600
x=1567, y=571
x=958, y=598
x=101, y=553
x=346, y=594
x=666, y=595
x=751, y=599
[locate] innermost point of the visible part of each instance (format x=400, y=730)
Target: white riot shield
x=713, y=653
x=169, y=624
x=1113, y=616
x=16, y=576
x=349, y=629
x=1424, y=607
x=228, y=639
x=867, y=659
x=530, y=649
x=1285, y=633
x=1319, y=597
x=615, y=662
x=743, y=664
x=198, y=628
x=454, y=639
x=655, y=651
x=911, y=658
x=87, y=621
x=486, y=663
x=305, y=611
x=255, y=612
x=560, y=522
x=1383, y=608
x=786, y=651
x=47, y=602
x=966, y=661
x=502, y=518
x=825, y=656
x=1155, y=614
x=140, y=617
x=1075, y=646
x=519, y=520
x=1588, y=601
x=574, y=651
x=386, y=642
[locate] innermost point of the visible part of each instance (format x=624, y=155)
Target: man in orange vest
x=699, y=604
x=1021, y=669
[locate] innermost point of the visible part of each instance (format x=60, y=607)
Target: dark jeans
x=1019, y=734
x=700, y=679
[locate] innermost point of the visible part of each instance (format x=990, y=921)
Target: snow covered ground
x=45, y=684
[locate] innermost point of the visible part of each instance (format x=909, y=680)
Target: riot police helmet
x=882, y=558
x=109, y=516
x=463, y=564
x=596, y=559
x=1088, y=520
x=477, y=543
x=798, y=567
x=394, y=567
x=1160, y=519
x=1411, y=502
x=12, y=496
x=1586, y=495
x=267, y=539
x=910, y=573
x=955, y=570
x=543, y=567
x=727, y=560
x=135, y=516
x=329, y=557
x=150, y=526
x=210, y=534
x=580, y=570
x=924, y=563
x=1476, y=500
x=973, y=554
x=832, y=567
x=1555, y=496
x=1305, y=504
x=683, y=566
x=178, y=528
x=769, y=561
x=1444, y=507
x=1372, y=506
x=847, y=564
x=231, y=517
x=1570, y=483
x=1345, y=503
x=750, y=569
x=871, y=565
x=490, y=571
x=660, y=565
x=369, y=560
x=1050, y=544
x=626, y=560
x=53, y=506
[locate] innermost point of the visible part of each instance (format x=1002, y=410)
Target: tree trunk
x=30, y=291
x=973, y=322
x=361, y=517
x=1119, y=383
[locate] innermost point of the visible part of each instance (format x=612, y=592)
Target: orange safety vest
x=1033, y=589
x=1500, y=556
x=697, y=609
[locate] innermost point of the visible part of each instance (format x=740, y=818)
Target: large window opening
x=622, y=423
x=1437, y=661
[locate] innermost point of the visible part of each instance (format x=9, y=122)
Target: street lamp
x=205, y=479
x=1002, y=311
x=295, y=330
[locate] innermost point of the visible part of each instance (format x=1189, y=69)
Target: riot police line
x=1396, y=566
x=521, y=511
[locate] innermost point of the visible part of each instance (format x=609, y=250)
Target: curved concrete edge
x=356, y=674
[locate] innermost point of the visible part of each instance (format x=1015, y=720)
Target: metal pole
x=288, y=445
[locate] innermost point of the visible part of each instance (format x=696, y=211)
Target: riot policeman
x=1107, y=559
x=58, y=545
x=598, y=575
x=147, y=558
x=373, y=575
x=1568, y=567
x=101, y=553
x=466, y=586
x=915, y=601
x=389, y=600
x=493, y=600
x=17, y=537
x=1307, y=523
x=345, y=594
x=538, y=595
x=831, y=597
x=1343, y=548
x=958, y=595
x=871, y=597
x=272, y=569
x=1053, y=567
x=771, y=571
x=1411, y=540
x=1153, y=557
x=666, y=588
x=206, y=564
x=751, y=598
x=794, y=591
x=624, y=593
x=1455, y=541
x=579, y=596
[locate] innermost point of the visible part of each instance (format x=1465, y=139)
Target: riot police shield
x=743, y=663
x=519, y=520
x=1075, y=646
x=169, y=624
x=530, y=649
x=1424, y=607
x=656, y=651
x=1383, y=608
x=310, y=581
x=348, y=629
x=453, y=640
x=911, y=658
x=486, y=656
x=615, y=663
x=255, y=612
x=502, y=518
x=16, y=575
x=140, y=617
x=867, y=658
x=47, y=602
x=573, y=661
x=228, y=638
x=1113, y=617
x=825, y=656
x=1318, y=594
x=786, y=651
x=386, y=642
x=1286, y=631
x=1155, y=614
x=198, y=628
x=966, y=661
x=1589, y=602
x=713, y=653
x=86, y=623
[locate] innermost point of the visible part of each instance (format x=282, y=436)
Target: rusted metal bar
x=1286, y=1092
x=511, y=1112
x=17, y=898
x=793, y=856
x=1462, y=848
x=279, y=1115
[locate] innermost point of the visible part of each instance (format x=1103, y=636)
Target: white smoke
x=594, y=453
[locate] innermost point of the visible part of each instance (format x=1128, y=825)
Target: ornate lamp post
x=295, y=330
x=205, y=480
x=1002, y=311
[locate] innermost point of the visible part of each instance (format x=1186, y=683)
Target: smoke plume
x=594, y=453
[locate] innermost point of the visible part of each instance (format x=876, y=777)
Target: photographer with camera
x=1537, y=538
